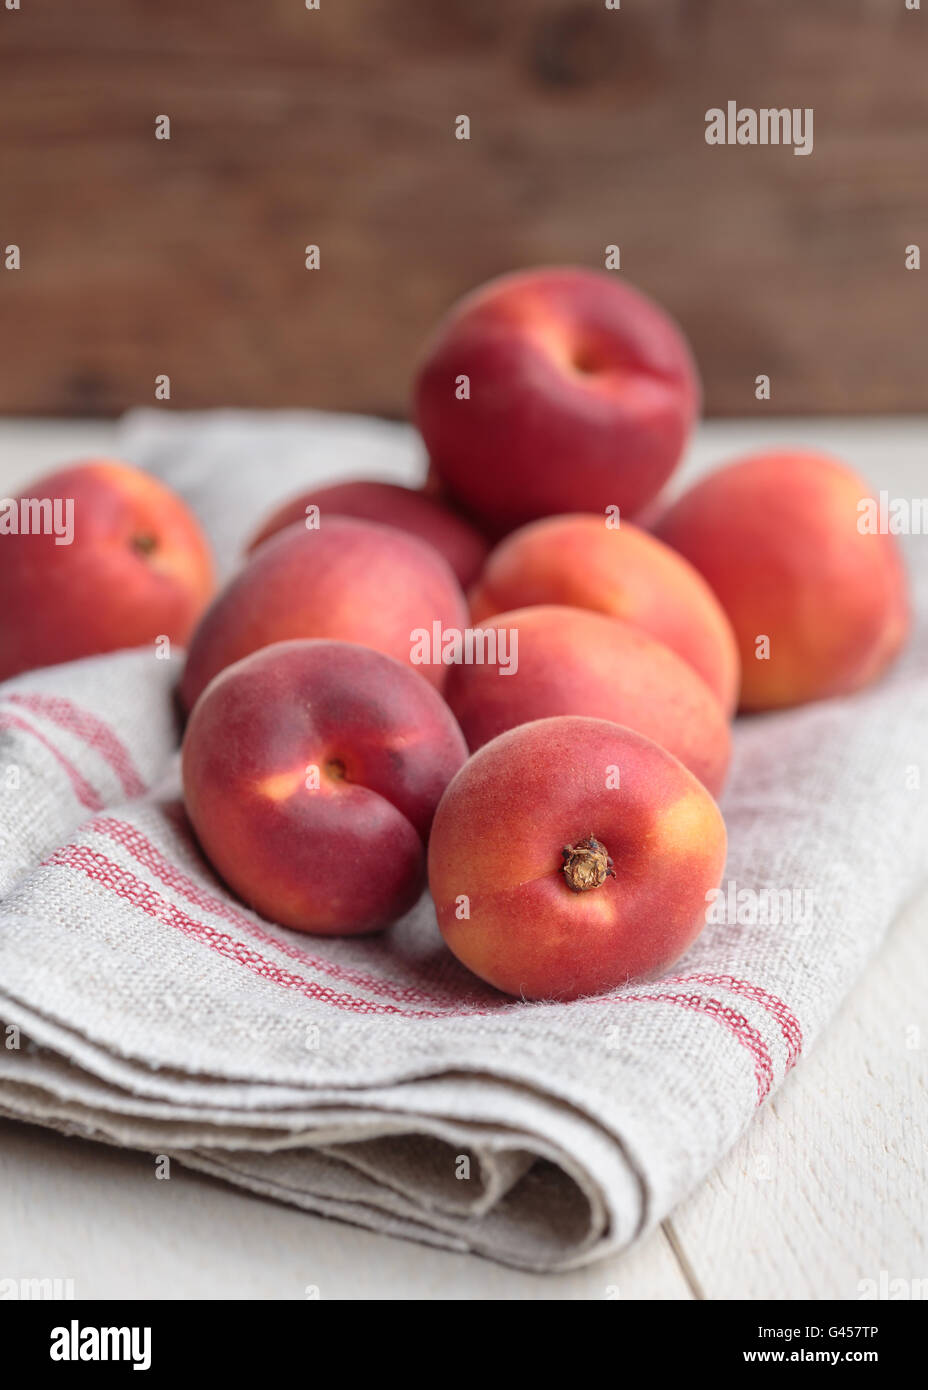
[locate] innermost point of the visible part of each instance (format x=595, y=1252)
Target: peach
x=131, y=565
x=311, y=775
x=350, y=581
x=817, y=601
x=571, y=661
x=582, y=562
x=555, y=390
x=391, y=505
x=570, y=856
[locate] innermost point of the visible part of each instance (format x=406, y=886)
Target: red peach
x=582, y=562
x=311, y=775
x=571, y=661
x=135, y=567
x=349, y=581
x=555, y=390
x=571, y=856
x=818, y=604
x=391, y=505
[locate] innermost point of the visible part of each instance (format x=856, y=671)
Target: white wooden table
x=826, y=1189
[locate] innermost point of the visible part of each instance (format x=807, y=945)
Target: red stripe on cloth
x=84, y=792
x=94, y=732
x=98, y=867
x=146, y=853
x=746, y=1034
x=141, y=895
x=789, y=1023
x=130, y=838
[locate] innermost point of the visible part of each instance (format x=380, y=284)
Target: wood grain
x=97, y=1216
x=825, y=1194
x=335, y=127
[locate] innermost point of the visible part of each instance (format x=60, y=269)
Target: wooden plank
x=335, y=127
x=825, y=1196
x=97, y=1216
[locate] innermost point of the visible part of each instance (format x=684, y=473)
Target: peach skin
x=555, y=390
x=581, y=562
x=135, y=567
x=311, y=775
x=570, y=856
x=818, y=602
x=571, y=661
x=391, y=505
x=350, y=581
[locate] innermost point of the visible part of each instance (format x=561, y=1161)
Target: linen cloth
x=374, y=1079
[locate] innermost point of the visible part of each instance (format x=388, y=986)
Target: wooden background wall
x=336, y=127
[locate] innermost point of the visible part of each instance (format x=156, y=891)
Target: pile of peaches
x=339, y=749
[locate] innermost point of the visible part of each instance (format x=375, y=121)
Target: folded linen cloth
x=374, y=1079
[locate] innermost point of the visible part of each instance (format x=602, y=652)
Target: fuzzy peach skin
x=391, y=505
x=311, y=775
x=138, y=567
x=776, y=535
x=581, y=562
x=497, y=864
x=571, y=661
x=582, y=394
x=350, y=581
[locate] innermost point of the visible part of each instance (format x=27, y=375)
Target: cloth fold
x=374, y=1079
